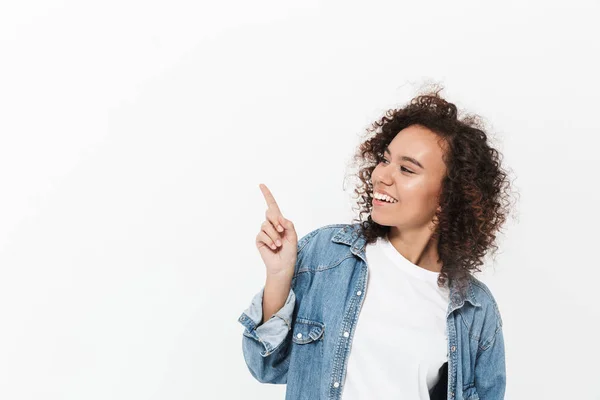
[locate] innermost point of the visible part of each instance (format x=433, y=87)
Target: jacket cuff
x=274, y=331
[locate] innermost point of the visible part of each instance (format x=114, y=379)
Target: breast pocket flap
x=307, y=330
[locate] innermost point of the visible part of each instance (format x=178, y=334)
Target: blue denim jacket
x=303, y=344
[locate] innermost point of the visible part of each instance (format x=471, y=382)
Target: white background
x=134, y=136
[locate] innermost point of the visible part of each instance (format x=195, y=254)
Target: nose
x=384, y=175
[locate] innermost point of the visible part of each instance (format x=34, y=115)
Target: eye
x=383, y=160
x=380, y=158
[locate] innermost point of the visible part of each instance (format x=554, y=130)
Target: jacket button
x=337, y=384
x=453, y=348
x=346, y=334
x=299, y=336
x=358, y=293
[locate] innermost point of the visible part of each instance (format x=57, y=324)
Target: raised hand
x=277, y=240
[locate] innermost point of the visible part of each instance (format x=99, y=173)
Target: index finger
x=271, y=203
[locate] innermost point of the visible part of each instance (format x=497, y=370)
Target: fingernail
x=278, y=242
x=273, y=247
x=280, y=228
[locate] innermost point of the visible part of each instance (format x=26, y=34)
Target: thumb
x=287, y=224
x=284, y=222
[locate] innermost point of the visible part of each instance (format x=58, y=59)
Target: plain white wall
x=134, y=136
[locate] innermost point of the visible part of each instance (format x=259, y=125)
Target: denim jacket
x=307, y=342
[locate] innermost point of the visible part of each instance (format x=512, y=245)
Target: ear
x=435, y=217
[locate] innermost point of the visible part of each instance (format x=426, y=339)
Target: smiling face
x=411, y=171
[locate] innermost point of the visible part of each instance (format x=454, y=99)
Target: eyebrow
x=405, y=158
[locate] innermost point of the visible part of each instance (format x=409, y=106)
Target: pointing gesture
x=277, y=241
x=271, y=203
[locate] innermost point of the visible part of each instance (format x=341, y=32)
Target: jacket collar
x=351, y=235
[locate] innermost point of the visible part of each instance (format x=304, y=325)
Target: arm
x=266, y=345
x=490, y=368
x=275, y=294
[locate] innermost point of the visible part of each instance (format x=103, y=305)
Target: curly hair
x=475, y=191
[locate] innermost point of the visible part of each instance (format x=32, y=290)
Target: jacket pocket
x=306, y=331
x=304, y=380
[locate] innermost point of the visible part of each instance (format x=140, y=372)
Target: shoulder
x=488, y=303
x=317, y=247
x=323, y=234
x=481, y=290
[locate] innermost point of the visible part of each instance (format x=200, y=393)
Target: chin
x=383, y=222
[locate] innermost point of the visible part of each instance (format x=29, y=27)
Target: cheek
x=412, y=189
x=418, y=194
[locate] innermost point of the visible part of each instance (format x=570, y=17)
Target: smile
x=377, y=202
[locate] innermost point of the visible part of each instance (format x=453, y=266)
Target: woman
x=387, y=307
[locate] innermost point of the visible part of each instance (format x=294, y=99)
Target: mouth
x=377, y=202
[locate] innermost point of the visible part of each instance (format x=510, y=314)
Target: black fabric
x=440, y=390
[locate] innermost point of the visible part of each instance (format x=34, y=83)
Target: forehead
x=421, y=143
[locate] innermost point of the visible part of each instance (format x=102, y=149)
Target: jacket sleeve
x=490, y=368
x=266, y=347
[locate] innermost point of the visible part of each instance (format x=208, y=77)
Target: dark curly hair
x=475, y=198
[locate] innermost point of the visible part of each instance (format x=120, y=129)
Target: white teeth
x=384, y=197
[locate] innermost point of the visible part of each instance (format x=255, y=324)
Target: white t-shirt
x=400, y=338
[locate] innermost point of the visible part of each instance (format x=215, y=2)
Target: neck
x=418, y=246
